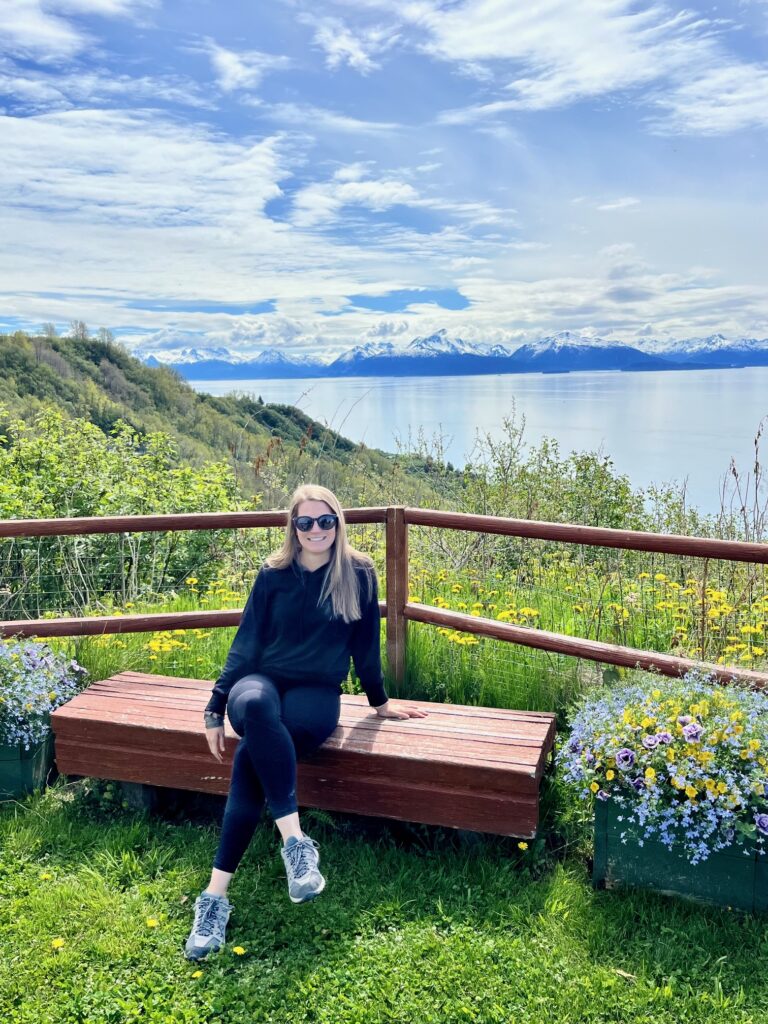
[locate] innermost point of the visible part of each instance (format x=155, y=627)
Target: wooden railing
x=399, y=611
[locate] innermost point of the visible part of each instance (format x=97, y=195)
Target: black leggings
x=278, y=724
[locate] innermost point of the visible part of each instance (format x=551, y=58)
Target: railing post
x=397, y=590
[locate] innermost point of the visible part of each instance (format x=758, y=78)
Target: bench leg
x=139, y=796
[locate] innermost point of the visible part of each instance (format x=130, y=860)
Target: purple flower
x=650, y=742
x=638, y=783
x=625, y=758
x=684, y=720
x=589, y=757
x=664, y=737
x=761, y=821
x=692, y=732
x=602, y=795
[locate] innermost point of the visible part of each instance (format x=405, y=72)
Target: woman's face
x=316, y=540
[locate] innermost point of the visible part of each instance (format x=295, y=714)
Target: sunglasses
x=325, y=522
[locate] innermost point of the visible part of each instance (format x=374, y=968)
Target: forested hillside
x=270, y=448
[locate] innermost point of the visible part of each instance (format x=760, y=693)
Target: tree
x=106, y=336
x=49, y=331
x=78, y=330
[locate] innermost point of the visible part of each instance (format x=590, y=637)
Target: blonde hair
x=341, y=582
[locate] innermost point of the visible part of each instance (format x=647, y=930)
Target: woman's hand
x=215, y=739
x=387, y=711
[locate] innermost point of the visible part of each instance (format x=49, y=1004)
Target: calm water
x=656, y=427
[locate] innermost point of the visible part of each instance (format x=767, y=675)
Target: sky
x=309, y=176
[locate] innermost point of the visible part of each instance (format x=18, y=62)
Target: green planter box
x=729, y=878
x=22, y=771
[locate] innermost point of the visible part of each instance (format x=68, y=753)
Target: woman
x=314, y=606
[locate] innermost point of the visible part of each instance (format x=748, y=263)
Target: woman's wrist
x=213, y=720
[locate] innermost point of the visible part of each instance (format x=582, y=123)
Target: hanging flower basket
x=678, y=772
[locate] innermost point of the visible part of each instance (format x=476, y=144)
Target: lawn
x=414, y=926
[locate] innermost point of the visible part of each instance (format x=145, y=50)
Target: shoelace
x=208, y=910
x=297, y=856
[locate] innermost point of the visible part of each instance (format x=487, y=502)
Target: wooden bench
x=464, y=767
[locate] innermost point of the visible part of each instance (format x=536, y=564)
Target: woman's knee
x=254, y=698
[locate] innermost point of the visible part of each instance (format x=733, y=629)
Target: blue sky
x=309, y=176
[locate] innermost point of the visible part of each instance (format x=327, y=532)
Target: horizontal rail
x=101, y=625
x=591, y=650
x=83, y=525
x=635, y=540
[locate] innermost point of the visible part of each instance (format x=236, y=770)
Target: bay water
x=656, y=427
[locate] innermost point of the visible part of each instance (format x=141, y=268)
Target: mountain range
x=440, y=355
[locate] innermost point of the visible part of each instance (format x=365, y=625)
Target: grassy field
x=422, y=925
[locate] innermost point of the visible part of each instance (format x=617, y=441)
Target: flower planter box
x=729, y=878
x=22, y=771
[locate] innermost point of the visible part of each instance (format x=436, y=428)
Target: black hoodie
x=287, y=636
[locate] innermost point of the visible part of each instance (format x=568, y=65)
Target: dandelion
x=152, y=922
x=45, y=876
x=522, y=846
x=57, y=943
x=197, y=974
x=238, y=950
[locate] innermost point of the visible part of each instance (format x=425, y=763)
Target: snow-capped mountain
x=433, y=356
x=273, y=357
x=439, y=344
x=372, y=350
x=714, y=351
x=566, y=351
x=184, y=355
x=440, y=354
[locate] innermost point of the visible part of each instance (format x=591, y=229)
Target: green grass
x=437, y=929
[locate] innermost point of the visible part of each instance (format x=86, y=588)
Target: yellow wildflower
x=152, y=922
x=57, y=943
x=197, y=974
x=238, y=949
x=522, y=846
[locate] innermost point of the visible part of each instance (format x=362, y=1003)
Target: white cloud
x=41, y=90
x=315, y=118
x=29, y=31
x=343, y=46
x=321, y=201
x=243, y=70
x=558, y=53
x=722, y=99
x=619, y=204
x=35, y=29
x=386, y=329
x=136, y=168
x=105, y=8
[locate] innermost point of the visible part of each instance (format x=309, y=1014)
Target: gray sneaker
x=301, y=861
x=209, y=930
